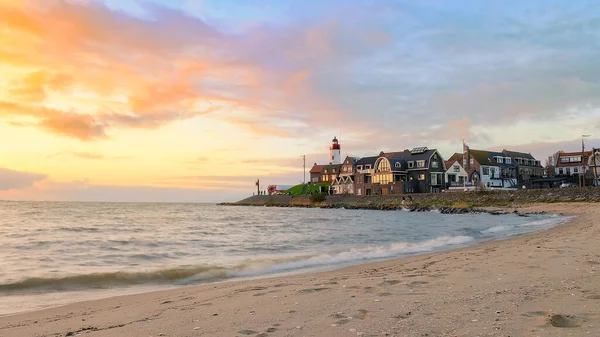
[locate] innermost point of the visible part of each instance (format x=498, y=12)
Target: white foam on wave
x=548, y=222
x=496, y=229
x=355, y=255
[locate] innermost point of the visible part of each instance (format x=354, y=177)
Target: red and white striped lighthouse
x=334, y=152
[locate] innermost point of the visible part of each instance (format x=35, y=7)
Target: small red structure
x=277, y=189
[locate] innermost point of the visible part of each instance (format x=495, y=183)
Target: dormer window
x=359, y=167
x=499, y=160
x=420, y=163
x=325, y=170
x=397, y=165
x=507, y=160
x=368, y=167
x=411, y=164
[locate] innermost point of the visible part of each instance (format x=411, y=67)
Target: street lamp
x=582, y=174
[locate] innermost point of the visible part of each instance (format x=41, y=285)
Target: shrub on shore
x=318, y=197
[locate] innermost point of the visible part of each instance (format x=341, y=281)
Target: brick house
x=324, y=173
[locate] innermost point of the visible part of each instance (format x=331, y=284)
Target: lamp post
x=595, y=154
x=582, y=174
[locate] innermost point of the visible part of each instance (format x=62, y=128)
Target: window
x=383, y=165
x=471, y=161
x=421, y=176
x=333, y=171
x=332, y=157
x=411, y=164
x=561, y=171
x=359, y=167
x=434, y=164
x=420, y=163
x=507, y=160
x=397, y=165
x=368, y=167
x=325, y=170
x=499, y=159
x=434, y=180
x=486, y=171
x=575, y=169
x=456, y=168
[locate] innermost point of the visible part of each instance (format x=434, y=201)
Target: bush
x=318, y=197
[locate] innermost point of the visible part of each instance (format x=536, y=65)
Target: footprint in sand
x=564, y=321
x=417, y=283
x=313, y=290
x=362, y=314
x=247, y=332
x=389, y=282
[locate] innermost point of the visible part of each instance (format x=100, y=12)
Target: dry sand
x=539, y=284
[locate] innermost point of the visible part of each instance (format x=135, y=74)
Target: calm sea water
x=53, y=253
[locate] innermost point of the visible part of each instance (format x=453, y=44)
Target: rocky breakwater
x=447, y=202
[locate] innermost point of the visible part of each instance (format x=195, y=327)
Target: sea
x=55, y=253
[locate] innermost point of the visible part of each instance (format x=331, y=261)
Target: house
x=420, y=170
x=456, y=175
x=324, y=173
x=527, y=167
x=363, y=175
x=490, y=169
x=344, y=183
x=570, y=165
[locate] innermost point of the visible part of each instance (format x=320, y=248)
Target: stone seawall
x=448, y=201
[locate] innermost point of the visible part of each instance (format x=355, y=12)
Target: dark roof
x=503, y=163
x=514, y=154
x=483, y=157
x=367, y=161
x=353, y=159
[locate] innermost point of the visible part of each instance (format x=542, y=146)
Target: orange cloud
x=79, y=70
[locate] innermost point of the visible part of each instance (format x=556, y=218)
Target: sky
x=193, y=100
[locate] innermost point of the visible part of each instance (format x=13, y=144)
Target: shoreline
x=181, y=309
x=447, y=202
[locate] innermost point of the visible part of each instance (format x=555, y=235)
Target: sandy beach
x=538, y=284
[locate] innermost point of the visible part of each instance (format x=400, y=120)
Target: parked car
x=564, y=185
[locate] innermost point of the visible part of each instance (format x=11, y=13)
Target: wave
x=496, y=229
x=190, y=275
x=546, y=222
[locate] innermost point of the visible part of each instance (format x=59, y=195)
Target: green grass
x=310, y=188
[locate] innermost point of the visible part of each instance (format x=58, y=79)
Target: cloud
x=12, y=180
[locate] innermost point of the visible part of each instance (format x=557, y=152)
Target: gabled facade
x=490, y=169
x=344, y=183
x=456, y=175
x=363, y=176
x=420, y=170
x=324, y=173
x=527, y=167
x=571, y=163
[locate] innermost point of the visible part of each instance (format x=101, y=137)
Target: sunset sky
x=192, y=100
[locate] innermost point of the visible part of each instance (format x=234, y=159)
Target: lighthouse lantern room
x=334, y=152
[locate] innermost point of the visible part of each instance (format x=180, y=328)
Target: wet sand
x=538, y=284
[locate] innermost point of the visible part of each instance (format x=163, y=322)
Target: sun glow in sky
x=193, y=100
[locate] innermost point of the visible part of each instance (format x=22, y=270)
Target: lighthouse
x=334, y=152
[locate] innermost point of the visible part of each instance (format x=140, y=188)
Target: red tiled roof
x=586, y=156
x=317, y=168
